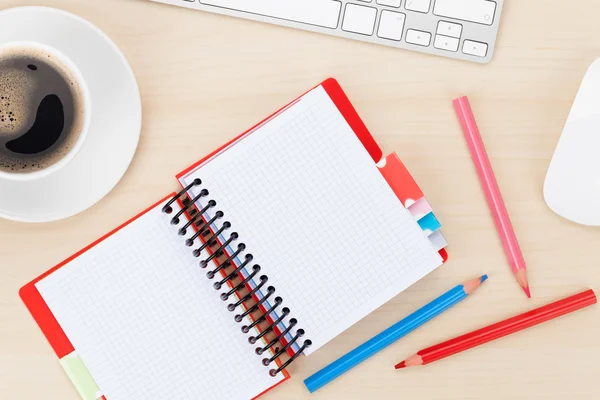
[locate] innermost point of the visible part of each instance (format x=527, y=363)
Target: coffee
x=41, y=110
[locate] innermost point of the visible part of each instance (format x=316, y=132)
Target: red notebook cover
x=393, y=170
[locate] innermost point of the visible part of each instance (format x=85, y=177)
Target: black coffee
x=41, y=110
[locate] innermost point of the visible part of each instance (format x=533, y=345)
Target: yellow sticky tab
x=81, y=377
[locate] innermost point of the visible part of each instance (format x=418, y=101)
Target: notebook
x=278, y=241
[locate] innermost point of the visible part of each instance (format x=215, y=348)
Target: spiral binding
x=210, y=240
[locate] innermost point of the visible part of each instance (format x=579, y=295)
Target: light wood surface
x=204, y=78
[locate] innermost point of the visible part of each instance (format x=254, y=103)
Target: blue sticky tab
x=429, y=223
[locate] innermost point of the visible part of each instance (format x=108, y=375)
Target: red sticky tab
x=400, y=180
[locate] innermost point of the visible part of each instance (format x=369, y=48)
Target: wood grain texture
x=204, y=78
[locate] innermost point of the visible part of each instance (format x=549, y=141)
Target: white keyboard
x=463, y=29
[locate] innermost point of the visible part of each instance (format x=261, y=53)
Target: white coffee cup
x=87, y=111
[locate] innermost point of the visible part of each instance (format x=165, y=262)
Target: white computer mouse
x=572, y=187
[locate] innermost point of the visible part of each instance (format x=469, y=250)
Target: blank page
x=318, y=216
x=147, y=323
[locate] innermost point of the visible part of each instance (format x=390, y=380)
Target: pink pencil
x=492, y=191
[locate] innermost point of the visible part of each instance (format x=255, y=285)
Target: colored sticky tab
x=429, y=224
x=400, y=180
x=420, y=209
x=80, y=377
x=438, y=240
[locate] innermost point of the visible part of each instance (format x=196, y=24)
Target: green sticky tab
x=80, y=376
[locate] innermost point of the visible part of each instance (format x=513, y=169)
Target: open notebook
x=279, y=241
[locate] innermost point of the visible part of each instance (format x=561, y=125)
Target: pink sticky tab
x=420, y=209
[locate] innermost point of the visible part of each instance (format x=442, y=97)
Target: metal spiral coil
x=197, y=219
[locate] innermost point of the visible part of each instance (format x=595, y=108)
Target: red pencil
x=500, y=329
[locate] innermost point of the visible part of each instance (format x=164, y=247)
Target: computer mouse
x=572, y=186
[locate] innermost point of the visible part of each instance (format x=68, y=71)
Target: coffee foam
x=21, y=90
x=14, y=100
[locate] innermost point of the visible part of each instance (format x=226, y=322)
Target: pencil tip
x=471, y=285
x=521, y=276
x=400, y=365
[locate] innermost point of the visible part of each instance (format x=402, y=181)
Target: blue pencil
x=392, y=334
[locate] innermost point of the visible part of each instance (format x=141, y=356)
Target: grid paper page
x=147, y=323
x=318, y=216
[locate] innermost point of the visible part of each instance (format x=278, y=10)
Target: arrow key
x=419, y=38
x=446, y=43
x=477, y=49
x=449, y=29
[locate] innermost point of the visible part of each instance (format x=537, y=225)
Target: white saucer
x=116, y=117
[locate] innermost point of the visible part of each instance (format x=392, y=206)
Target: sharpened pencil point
x=400, y=365
x=470, y=286
x=521, y=276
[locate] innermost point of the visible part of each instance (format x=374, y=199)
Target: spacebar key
x=323, y=13
x=478, y=11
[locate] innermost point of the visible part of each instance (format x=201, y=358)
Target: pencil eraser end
x=457, y=101
x=311, y=384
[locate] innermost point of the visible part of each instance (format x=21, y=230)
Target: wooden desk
x=204, y=78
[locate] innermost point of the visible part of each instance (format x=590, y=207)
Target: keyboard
x=462, y=29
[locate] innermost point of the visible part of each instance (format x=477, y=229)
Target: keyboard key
x=391, y=25
x=449, y=29
x=418, y=5
x=359, y=19
x=446, y=43
x=478, y=49
x=390, y=3
x=478, y=11
x=324, y=13
x=420, y=38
